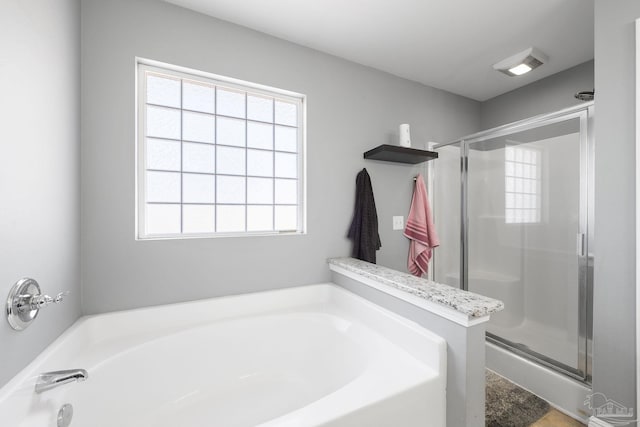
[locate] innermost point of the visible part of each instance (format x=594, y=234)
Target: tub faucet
x=49, y=380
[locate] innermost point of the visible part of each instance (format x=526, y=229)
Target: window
x=522, y=185
x=217, y=156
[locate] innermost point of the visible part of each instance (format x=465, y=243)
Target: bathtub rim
x=24, y=380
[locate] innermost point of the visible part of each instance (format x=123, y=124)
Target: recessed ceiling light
x=521, y=62
x=519, y=70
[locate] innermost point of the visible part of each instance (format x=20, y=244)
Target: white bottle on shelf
x=405, y=136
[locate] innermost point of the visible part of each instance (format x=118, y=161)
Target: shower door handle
x=580, y=244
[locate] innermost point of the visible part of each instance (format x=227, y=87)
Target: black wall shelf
x=398, y=154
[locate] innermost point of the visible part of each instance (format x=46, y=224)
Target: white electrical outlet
x=398, y=222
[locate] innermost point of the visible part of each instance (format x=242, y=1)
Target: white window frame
x=146, y=65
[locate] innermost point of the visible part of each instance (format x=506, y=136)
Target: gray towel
x=364, y=226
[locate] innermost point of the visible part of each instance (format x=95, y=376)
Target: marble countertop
x=473, y=305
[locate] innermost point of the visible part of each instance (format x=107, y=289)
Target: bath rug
x=508, y=405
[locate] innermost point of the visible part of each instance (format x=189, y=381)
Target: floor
x=555, y=418
x=508, y=405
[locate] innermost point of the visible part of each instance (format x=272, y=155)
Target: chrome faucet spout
x=49, y=380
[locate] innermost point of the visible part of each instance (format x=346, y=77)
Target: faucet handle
x=25, y=301
x=41, y=301
x=58, y=298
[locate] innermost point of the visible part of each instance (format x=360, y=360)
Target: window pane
x=260, y=190
x=163, y=187
x=519, y=203
x=259, y=163
x=509, y=184
x=286, y=218
x=286, y=113
x=163, y=91
x=198, y=97
x=518, y=215
x=286, y=191
x=518, y=184
x=231, y=189
x=163, y=122
x=260, y=135
x=198, y=157
x=259, y=218
x=530, y=201
x=286, y=139
x=230, y=103
x=518, y=167
x=230, y=161
x=198, y=127
x=230, y=218
x=510, y=216
x=286, y=165
x=508, y=154
x=518, y=153
x=198, y=188
x=259, y=108
x=198, y=219
x=231, y=131
x=162, y=219
x=163, y=154
x=510, y=201
x=509, y=169
x=529, y=186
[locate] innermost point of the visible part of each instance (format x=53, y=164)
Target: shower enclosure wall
x=513, y=208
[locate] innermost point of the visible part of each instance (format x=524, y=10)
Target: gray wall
x=351, y=108
x=550, y=94
x=39, y=177
x=614, y=287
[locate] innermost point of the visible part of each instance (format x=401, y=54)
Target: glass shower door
x=527, y=237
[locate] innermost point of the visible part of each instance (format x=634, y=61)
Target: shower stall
x=514, y=207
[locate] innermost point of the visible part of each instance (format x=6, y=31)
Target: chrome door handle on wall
x=25, y=301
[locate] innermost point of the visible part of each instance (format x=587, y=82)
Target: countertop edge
x=464, y=302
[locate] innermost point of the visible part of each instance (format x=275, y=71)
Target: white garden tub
x=308, y=356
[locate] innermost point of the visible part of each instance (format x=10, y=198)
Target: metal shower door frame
x=585, y=113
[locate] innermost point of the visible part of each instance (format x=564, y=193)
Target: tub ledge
x=462, y=307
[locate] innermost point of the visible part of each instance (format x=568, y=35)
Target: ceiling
x=448, y=44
